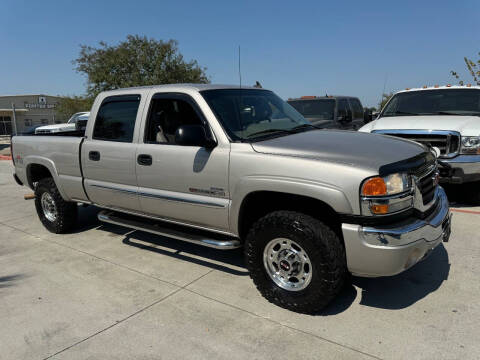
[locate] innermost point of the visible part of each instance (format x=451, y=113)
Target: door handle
x=144, y=159
x=94, y=155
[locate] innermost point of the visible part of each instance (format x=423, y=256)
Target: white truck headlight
x=470, y=145
x=386, y=195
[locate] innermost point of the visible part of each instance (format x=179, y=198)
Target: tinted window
x=166, y=116
x=435, y=102
x=342, y=107
x=357, y=108
x=246, y=114
x=116, y=118
x=321, y=108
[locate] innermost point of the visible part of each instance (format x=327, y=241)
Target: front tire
x=296, y=261
x=56, y=214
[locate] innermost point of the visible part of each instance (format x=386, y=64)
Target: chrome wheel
x=48, y=206
x=287, y=264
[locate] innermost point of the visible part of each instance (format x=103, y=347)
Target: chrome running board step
x=199, y=237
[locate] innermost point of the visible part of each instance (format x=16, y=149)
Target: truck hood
x=465, y=125
x=349, y=147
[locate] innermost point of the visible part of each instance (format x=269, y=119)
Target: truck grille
x=425, y=174
x=447, y=141
x=427, y=187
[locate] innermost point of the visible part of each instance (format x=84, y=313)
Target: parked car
x=332, y=112
x=225, y=167
x=446, y=117
x=70, y=125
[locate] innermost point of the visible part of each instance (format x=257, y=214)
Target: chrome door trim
x=182, y=200
x=125, y=191
x=176, y=222
x=162, y=196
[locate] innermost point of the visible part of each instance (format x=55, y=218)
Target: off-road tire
x=66, y=211
x=324, y=248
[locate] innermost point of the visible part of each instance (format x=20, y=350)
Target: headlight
x=470, y=145
x=388, y=185
x=386, y=195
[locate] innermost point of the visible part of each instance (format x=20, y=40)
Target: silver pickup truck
x=225, y=167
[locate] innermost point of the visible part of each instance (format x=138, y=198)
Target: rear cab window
x=116, y=118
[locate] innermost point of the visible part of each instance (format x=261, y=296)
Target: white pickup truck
x=446, y=117
x=70, y=125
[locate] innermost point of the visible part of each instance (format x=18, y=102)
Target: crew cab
x=445, y=117
x=228, y=166
x=332, y=112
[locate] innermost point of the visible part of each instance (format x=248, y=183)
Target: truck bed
x=60, y=154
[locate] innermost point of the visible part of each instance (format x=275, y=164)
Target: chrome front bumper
x=389, y=250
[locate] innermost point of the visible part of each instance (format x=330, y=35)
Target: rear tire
x=289, y=282
x=56, y=214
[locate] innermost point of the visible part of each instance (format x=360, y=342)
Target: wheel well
x=260, y=203
x=37, y=172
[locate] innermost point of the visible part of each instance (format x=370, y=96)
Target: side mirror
x=81, y=125
x=344, y=117
x=367, y=116
x=193, y=135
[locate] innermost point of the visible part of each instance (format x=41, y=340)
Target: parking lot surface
x=107, y=292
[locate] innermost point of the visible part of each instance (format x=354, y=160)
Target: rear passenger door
x=108, y=156
x=181, y=183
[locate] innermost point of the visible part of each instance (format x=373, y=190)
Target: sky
x=294, y=48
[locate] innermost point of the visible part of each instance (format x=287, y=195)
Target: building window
x=28, y=122
x=44, y=121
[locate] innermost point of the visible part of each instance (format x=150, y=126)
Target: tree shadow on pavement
x=9, y=280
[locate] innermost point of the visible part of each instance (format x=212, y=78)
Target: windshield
x=75, y=117
x=318, y=109
x=249, y=114
x=435, y=102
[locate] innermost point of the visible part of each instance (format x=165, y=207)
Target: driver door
x=186, y=184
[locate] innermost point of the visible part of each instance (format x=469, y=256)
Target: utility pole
x=14, y=119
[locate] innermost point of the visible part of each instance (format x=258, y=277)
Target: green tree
x=70, y=105
x=473, y=69
x=136, y=61
x=383, y=102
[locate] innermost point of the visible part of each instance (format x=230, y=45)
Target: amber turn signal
x=379, y=209
x=374, y=187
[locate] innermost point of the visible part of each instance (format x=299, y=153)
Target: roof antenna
x=239, y=67
x=383, y=92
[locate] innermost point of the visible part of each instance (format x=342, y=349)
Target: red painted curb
x=465, y=211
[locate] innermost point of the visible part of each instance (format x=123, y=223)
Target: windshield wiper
x=474, y=113
x=268, y=131
x=405, y=113
x=304, y=126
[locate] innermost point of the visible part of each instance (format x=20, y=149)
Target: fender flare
x=327, y=193
x=50, y=165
